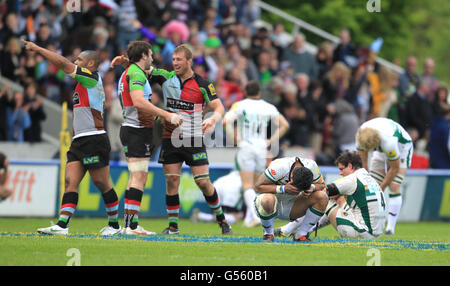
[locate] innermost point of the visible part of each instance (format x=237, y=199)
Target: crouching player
x=290, y=188
x=363, y=214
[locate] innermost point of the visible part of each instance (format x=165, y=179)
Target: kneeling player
x=229, y=189
x=290, y=188
x=363, y=215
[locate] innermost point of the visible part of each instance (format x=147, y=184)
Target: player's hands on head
x=289, y=188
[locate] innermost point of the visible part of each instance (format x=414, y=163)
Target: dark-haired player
x=136, y=131
x=291, y=188
x=90, y=146
x=363, y=214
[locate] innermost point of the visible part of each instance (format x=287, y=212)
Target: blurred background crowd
x=325, y=96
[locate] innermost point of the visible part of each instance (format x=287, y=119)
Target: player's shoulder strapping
x=87, y=78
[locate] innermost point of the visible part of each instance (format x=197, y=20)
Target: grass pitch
x=201, y=244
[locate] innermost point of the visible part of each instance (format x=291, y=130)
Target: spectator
x=10, y=29
x=439, y=143
x=37, y=114
x=10, y=59
x=345, y=126
x=324, y=58
x=409, y=79
x=336, y=82
x=318, y=114
x=441, y=103
x=273, y=93
x=389, y=85
x=126, y=16
x=6, y=101
x=345, y=51
x=428, y=76
x=44, y=38
x=250, y=13
x=298, y=133
x=278, y=36
x=301, y=60
x=18, y=118
x=419, y=110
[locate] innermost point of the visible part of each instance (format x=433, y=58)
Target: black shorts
x=192, y=156
x=92, y=151
x=136, y=142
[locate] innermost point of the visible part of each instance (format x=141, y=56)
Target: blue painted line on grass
x=316, y=242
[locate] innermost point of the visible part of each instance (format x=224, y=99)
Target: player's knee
x=101, y=186
x=203, y=182
x=172, y=181
x=266, y=205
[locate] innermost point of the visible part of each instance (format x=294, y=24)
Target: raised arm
x=61, y=62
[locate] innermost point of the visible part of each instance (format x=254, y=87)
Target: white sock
x=395, y=204
x=267, y=225
x=206, y=217
x=323, y=221
x=292, y=226
x=230, y=218
x=249, y=198
x=312, y=216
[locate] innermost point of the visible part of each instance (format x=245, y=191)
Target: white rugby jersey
x=253, y=117
x=365, y=198
x=392, y=135
x=279, y=169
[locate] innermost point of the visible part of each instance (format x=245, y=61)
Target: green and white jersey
x=253, y=117
x=279, y=170
x=394, y=137
x=365, y=199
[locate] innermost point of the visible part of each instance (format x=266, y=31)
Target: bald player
x=90, y=146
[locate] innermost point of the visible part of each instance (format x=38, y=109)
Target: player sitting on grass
x=363, y=214
x=290, y=188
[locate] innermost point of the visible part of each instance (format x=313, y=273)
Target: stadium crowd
x=325, y=96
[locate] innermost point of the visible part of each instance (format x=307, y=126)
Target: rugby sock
x=249, y=198
x=173, y=210
x=68, y=207
x=125, y=210
x=132, y=206
x=210, y=217
x=215, y=205
x=112, y=207
x=292, y=226
x=267, y=225
x=395, y=204
x=312, y=216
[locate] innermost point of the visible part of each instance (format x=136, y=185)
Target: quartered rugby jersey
x=134, y=78
x=365, y=198
x=253, y=117
x=392, y=135
x=88, y=103
x=279, y=169
x=186, y=98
